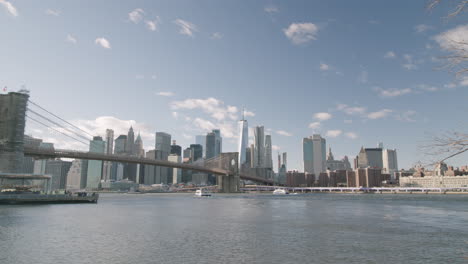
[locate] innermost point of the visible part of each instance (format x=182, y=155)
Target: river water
x=241, y=228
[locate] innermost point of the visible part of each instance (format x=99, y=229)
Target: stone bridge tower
x=12, y=123
x=226, y=161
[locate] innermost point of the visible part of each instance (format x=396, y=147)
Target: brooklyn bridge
x=14, y=113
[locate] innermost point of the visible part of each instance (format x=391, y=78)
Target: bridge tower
x=227, y=161
x=12, y=122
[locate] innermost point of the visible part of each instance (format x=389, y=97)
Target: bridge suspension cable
x=42, y=108
x=39, y=122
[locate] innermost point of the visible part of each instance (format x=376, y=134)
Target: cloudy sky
x=358, y=73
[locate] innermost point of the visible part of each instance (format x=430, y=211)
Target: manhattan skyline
x=186, y=68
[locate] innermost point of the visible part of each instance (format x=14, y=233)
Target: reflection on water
x=177, y=228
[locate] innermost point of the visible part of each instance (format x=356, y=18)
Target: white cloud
x=300, y=33
x=283, y=133
x=52, y=12
x=186, y=136
x=379, y=114
x=167, y=94
x=103, y=43
x=175, y=115
x=154, y=76
x=204, y=124
x=409, y=65
x=216, y=35
x=9, y=7
x=464, y=81
x=333, y=133
x=271, y=9
x=322, y=116
x=136, y=15
x=70, y=38
x=212, y=106
x=186, y=28
x=422, y=28
x=355, y=110
x=315, y=125
x=153, y=25
x=363, y=77
x=390, y=55
x=351, y=135
x=407, y=116
x=275, y=147
x=248, y=113
x=427, y=88
x=454, y=40
x=324, y=67
x=392, y=92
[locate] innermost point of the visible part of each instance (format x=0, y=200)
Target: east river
x=241, y=228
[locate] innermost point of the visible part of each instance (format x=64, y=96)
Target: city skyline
x=347, y=96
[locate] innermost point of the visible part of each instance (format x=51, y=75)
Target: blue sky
x=358, y=73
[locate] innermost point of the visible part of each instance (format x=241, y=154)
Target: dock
x=48, y=198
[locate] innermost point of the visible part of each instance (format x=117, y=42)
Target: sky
x=358, y=73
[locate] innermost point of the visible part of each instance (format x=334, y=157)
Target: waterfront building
x=299, y=179
x=268, y=152
x=370, y=157
x=314, y=154
x=210, y=145
x=94, y=175
x=40, y=165
x=107, y=165
x=243, y=142
x=176, y=173
x=150, y=170
x=390, y=162
x=259, y=147
x=77, y=174
x=28, y=162
x=58, y=169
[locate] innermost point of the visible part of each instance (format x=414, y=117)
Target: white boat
x=201, y=193
x=280, y=192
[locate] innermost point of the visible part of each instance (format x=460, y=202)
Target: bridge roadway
x=72, y=154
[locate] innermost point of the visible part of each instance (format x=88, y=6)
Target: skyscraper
x=107, y=170
x=163, y=143
x=259, y=150
x=268, y=154
x=243, y=141
x=176, y=149
x=120, y=144
x=201, y=140
x=218, y=142
x=139, y=151
x=285, y=159
x=130, y=142
x=58, y=169
x=210, y=145
x=314, y=155
x=163, y=148
x=97, y=145
x=196, y=152
x=390, y=163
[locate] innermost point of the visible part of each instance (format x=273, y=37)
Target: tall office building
x=40, y=165
x=163, y=142
x=28, y=162
x=201, y=140
x=370, y=157
x=77, y=174
x=130, y=149
x=314, y=155
x=163, y=149
x=94, y=175
x=243, y=141
x=259, y=150
x=285, y=159
x=210, y=145
x=390, y=163
x=58, y=169
x=176, y=173
x=107, y=168
x=268, y=154
x=176, y=149
x=196, y=152
x=139, y=151
x=218, y=142
x=120, y=144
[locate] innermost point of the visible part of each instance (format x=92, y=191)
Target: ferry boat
x=201, y=193
x=280, y=192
